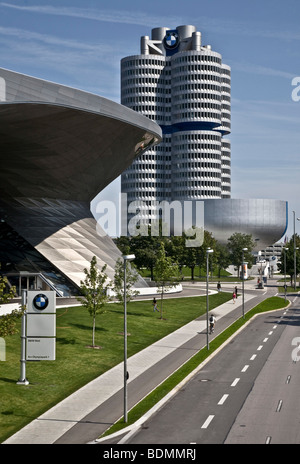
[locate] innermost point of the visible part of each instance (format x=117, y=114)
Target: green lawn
x=76, y=363
x=289, y=289
x=198, y=274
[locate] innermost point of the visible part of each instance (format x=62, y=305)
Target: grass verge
x=289, y=289
x=162, y=390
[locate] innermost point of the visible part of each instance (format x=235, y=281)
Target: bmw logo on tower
x=171, y=40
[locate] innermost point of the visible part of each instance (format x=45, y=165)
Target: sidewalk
x=50, y=426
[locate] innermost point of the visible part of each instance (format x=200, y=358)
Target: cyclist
x=212, y=321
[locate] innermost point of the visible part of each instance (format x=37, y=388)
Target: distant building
x=184, y=87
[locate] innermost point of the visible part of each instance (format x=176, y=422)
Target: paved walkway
x=84, y=406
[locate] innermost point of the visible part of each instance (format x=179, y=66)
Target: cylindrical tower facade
x=185, y=88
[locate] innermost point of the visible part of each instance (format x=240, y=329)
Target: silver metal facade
x=59, y=147
x=185, y=88
x=265, y=219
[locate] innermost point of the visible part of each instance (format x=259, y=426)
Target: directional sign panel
x=41, y=326
x=40, y=349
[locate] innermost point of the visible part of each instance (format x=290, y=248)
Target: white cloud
x=111, y=16
x=36, y=37
x=260, y=70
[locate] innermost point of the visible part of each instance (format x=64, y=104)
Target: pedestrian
x=233, y=297
x=236, y=292
x=219, y=286
x=155, y=308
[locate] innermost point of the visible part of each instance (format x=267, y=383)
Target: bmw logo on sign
x=40, y=302
x=171, y=39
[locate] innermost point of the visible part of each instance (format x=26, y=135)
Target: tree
x=208, y=242
x=145, y=250
x=192, y=257
x=222, y=257
x=94, y=290
x=235, y=244
x=176, y=250
x=289, y=258
x=143, y=247
x=166, y=274
x=8, y=321
x=131, y=278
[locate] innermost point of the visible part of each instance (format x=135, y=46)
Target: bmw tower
x=185, y=88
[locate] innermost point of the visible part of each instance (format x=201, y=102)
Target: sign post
x=22, y=380
x=38, y=333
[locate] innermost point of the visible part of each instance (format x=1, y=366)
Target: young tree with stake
x=94, y=290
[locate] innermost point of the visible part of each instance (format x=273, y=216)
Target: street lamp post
x=294, y=251
x=126, y=258
x=284, y=251
x=295, y=248
x=207, y=304
x=243, y=277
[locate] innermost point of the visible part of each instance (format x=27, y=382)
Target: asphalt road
x=248, y=393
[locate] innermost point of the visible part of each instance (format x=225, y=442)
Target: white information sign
x=40, y=325
x=40, y=349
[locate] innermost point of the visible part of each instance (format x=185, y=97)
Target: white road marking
x=207, y=422
x=259, y=348
x=223, y=399
x=245, y=368
x=275, y=326
x=235, y=382
x=253, y=357
x=265, y=340
x=268, y=440
x=279, y=406
x=270, y=333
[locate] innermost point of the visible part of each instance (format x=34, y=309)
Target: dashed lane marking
x=207, y=422
x=223, y=399
x=235, y=382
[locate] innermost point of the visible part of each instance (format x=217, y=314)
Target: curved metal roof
x=59, y=147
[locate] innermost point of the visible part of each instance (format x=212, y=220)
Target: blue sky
x=80, y=43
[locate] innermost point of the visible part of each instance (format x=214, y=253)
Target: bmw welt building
x=59, y=147
x=185, y=87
